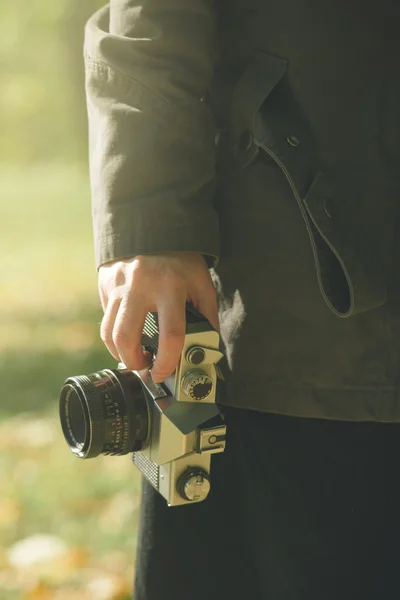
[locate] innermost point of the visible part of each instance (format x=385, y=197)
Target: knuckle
x=137, y=272
x=121, y=338
x=113, y=281
x=105, y=334
x=132, y=360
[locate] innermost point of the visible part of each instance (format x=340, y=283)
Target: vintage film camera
x=172, y=428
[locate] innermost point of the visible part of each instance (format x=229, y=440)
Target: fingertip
x=137, y=360
x=159, y=376
x=156, y=378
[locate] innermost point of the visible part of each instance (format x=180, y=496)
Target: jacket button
x=329, y=208
x=245, y=140
x=293, y=141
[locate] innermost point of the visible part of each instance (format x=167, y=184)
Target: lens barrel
x=104, y=413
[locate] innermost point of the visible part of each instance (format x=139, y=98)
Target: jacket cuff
x=158, y=228
x=117, y=246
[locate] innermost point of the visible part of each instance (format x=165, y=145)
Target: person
x=244, y=156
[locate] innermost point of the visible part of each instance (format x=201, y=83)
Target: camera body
x=185, y=425
x=172, y=428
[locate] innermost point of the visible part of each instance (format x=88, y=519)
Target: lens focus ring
x=104, y=413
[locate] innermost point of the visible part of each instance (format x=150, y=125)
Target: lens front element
x=104, y=413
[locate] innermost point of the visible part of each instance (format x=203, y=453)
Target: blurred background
x=67, y=527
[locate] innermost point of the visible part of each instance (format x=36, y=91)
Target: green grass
x=49, y=308
x=49, y=323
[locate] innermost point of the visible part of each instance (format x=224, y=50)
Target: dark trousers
x=299, y=509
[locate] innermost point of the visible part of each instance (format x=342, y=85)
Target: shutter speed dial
x=197, y=384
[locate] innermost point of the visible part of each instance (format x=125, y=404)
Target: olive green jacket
x=150, y=70
x=264, y=134
x=152, y=151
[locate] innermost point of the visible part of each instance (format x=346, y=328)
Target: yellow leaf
x=76, y=558
x=40, y=591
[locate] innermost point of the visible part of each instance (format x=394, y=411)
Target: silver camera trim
x=179, y=442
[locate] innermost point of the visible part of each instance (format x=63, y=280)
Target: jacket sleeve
x=151, y=136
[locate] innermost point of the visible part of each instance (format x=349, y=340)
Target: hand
x=131, y=288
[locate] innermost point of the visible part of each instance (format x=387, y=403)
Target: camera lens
x=104, y=413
